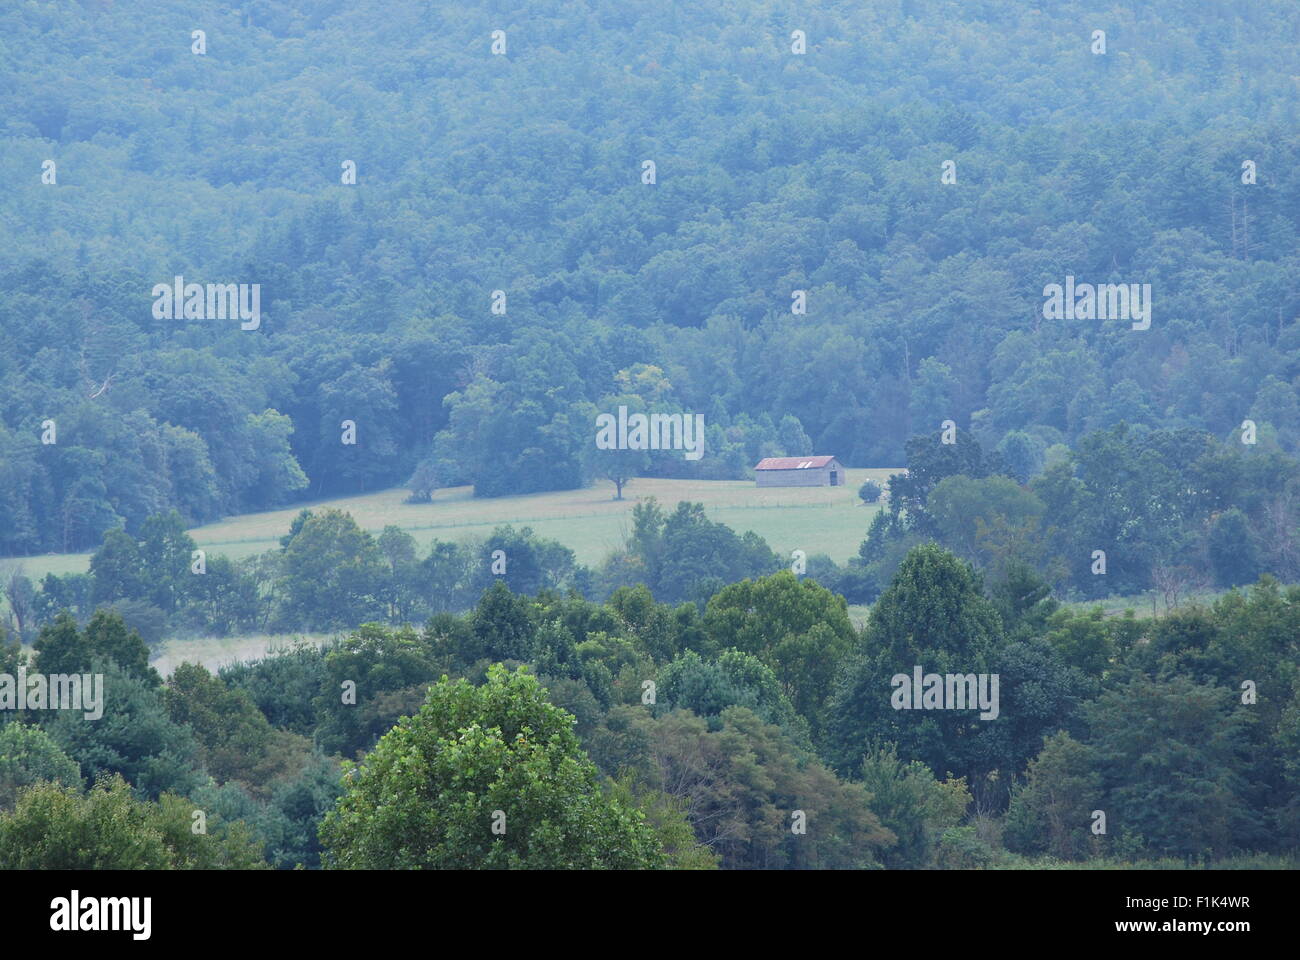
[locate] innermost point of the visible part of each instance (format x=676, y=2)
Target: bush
x=107, y=828
x=960, y=848
x=870, y=492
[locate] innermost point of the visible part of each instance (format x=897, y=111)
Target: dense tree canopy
x=484, y=777
x=522, y=174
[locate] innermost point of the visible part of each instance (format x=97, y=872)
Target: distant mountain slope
x=775, y=172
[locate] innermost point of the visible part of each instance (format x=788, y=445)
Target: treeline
x=1126, y=511
x=761, y=732
x=522, y=173
x=329, y=574
x=1129, y=511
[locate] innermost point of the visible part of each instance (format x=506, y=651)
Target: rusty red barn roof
x=792, y=463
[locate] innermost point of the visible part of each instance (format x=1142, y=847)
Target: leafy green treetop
x=484, y=777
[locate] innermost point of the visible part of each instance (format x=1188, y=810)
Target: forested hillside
x=523, y=173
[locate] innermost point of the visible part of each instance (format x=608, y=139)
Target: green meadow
x=829, y=520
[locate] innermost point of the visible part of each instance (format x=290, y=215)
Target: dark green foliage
x=929, y=461
x=1173, y=760
x=60, y=828
x=28, y=756
x=1053, y=811
x=742, y=785
x=503, y=626
x=870, y=492
x=61, y=648
x=934, y=616
x=1168, y=508
x=686, y=556
x=1233, y=555
x=370, y=679
x=500, y=755
x=920, y=296
x=707, y=688
x=135, y=738
x=332, y=573
x=231, y=732
x=912, y=804
x=797, y=628
x=282, y=685
x=291, y=820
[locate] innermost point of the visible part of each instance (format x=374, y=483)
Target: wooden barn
x=799, y=472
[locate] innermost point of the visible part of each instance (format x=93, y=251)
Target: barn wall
x=793, y=478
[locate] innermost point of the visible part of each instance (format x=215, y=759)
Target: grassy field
x=827, y=520
x=1149, y=603
x=217, y=652
x=589, y=521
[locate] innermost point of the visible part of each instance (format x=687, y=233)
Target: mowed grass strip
x=829, y=520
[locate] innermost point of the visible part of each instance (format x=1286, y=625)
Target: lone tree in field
x=489, y=777
x=619, y=467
